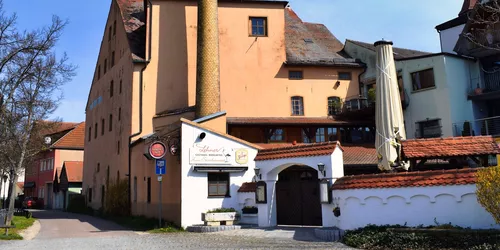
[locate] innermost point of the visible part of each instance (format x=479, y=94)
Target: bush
x=488, y=190
x=116, y=200
x=250, y=210
x=222, y=210
x=389, y=237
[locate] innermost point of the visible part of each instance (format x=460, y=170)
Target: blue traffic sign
x=161, y=167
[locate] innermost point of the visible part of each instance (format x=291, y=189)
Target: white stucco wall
x=194, y=191
x=449, y=38
x=4, y=186
x=412, y=206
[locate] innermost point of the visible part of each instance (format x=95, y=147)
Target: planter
x=217, y=219
x=250, y=219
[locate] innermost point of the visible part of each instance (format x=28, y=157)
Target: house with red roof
x=65, y=143
x=67, y=182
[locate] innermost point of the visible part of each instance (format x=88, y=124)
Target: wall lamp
x=321, y=168
x=202, y=135
x=257, y=173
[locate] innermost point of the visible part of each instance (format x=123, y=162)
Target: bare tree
x=484, y=22
x=30, y=78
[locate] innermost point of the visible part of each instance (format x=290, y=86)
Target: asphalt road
x=72, y=231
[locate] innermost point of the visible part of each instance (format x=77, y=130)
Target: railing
x=485, y=126
x=356, y=103
x=491, y=81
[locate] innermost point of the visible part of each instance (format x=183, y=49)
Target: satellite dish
x=48, y=140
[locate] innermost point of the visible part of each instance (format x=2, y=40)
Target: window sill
x=296, y=115
x=422, y=90
x=257, y=35
x=218, y=196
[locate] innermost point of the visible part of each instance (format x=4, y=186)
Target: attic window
x=308, y=40
x=258, y=26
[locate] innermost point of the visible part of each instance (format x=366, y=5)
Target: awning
x=30, y=184
x=220, y=169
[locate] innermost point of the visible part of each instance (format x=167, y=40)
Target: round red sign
x=157, y=150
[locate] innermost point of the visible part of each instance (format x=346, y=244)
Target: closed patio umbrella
x=389, y=118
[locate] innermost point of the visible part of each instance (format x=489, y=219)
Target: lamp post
x=321, y=169
x=257, y=173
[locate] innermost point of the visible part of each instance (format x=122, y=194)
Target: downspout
x=141, y=77
x=359, y=79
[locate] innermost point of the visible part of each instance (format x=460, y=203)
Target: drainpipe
x=141, y=84
x=359, y=78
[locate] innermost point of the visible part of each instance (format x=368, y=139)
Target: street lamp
x=321, y=168
x=257, y=173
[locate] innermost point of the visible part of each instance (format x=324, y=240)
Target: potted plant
x=478, y=90
x=250, y=210
x=220, y=216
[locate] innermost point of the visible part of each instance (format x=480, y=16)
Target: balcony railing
x=485, y=126
x=491, y=81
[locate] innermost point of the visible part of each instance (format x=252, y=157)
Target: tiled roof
x=449, y=147
x=303, y=150
x=399, y=53
x=134, y=20
x=291, y=121
x=360, y=154
x=313, y=44
x=74, y=139
x=248, y=187
x=407, y=179
x=74, y=170
x=53, y=127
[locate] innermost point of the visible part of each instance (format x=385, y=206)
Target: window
x=102, y=126
x=112, y=59
x=110, y=122
x=98, y=72
x=114, y=28
x=258, y=26
x=90, y=133
x=95, y=130
x=218, y=184
x=278, y=135
x=332, y=134
x=149, y=190
x=118, y=147
x=423, y=79
x=428, y=129
x=51, y=164
x=110, y=32
x=98, y=168
x=119, y=114
x=320, y=135
x=334, y=105
x=135, y=188
x=120, y=88
x=295, y=75
x=111, y=88
x=105, y=65
x=41, y=165
x=305, y=138
x=344, y=75
x=297, y=105
x=90, y=194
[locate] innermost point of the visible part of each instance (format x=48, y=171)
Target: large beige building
x=281, y=80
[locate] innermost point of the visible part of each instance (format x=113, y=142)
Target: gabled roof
x=407, y=179
x=73, y=170
x=360, y=154
x=462, y=18
x=134, y=20
x=248, y=187
x=302, y=150
x=449, y=147
x=467, y=6
x=313, y=44
x=399, y=53
x=73, y=139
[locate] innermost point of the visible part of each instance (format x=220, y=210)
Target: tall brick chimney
x=207, y=65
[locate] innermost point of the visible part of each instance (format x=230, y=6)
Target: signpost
x=160, y=170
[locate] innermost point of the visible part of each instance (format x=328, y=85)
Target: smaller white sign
x=160, y=178
x=210, y=155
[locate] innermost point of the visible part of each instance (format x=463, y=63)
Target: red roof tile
x=360, y=154
x=407, y=179
x=449, y=147
x=73, y=139
x=248, y=187
x=74, y=170
x=303, y=150
x=290, y=121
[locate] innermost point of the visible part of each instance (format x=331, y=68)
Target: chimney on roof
x=207, y=64
x=467, y=5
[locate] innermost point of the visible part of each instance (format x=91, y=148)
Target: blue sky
x=408, y=23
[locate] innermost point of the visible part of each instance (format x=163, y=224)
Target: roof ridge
x=415, y=173
x=300, y=146
x=450, y=138
x=394, y=47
